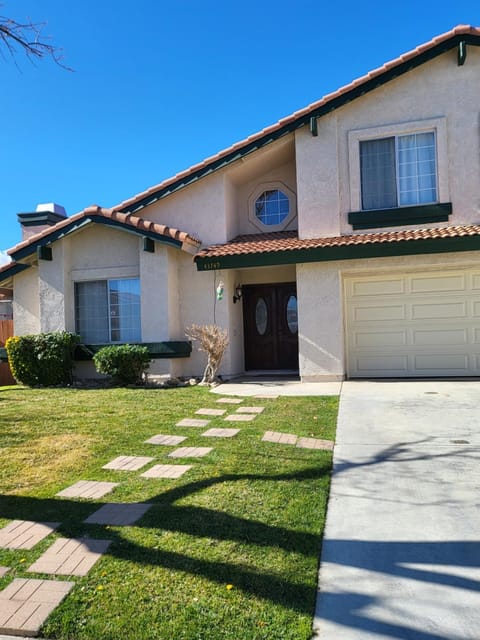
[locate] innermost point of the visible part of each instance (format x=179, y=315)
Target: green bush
x=126, y=363
x=44, y=359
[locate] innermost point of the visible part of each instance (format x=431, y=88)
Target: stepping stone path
x=192, y=422
x=70, y=556
x=211, y=412
x=221, y=433
x=303, y=443
x=118, y=513
x=88, y=489
x=255, y=410
x=190, y=452
x=279, y=438
x=167, y=471
x=166, y=440
x=241, y=417
x=26, y=603
x=24, y=534
x=128, y=463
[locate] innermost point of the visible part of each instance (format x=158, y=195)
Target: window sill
x=157, y=350
x=400, y=216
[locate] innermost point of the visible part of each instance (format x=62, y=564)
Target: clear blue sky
x=159, y=85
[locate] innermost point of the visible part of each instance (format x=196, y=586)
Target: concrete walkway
x=401, y=553
x=274, y=386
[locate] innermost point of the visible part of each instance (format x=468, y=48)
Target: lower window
x=108, y=311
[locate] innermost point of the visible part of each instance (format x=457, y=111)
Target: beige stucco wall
x=26, y=303
x=439, y=89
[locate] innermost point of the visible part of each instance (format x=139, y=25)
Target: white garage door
x=421, y=324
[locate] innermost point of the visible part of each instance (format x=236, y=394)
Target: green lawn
x=228, y=551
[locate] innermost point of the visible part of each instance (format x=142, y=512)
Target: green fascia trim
x=75, y=226
x=400, y=216
x=12, y=271
x=352, y=252
x=158, y=350
x=336, y=103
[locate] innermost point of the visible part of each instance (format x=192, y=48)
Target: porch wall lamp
x=238, y=294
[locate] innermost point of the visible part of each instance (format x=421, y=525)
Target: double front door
x=270, y=326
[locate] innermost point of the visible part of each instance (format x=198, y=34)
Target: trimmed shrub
x=126, y=363
x=44, y=359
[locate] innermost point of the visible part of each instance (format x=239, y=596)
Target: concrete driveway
x=401, y=553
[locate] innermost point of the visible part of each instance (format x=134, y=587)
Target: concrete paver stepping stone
x=70, y=556
x=88, y=489
x=241, y=417
x=250, y=409
x=211, y=412
x=279, y=438
x=314, y=443
x=167, y=471
x=128, y=463
x=190, y=452
x=221, y=433
x=26, y=603
x=266, y=396
x=166, y=440
x=3, y=571
x=25, y=534
x=230, y=400
x=118, y=513
x=192, y=422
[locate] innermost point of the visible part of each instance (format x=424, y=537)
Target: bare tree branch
x=27, y=37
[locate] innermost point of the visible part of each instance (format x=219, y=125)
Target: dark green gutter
x=12, y=271
x=350, y=252
x=306, y=119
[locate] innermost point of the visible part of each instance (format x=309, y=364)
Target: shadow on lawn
x=195, y=521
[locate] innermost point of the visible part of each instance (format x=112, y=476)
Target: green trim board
x=329, y=106
x=350, y=252
x=400, y=216
x=158, y=350
x=12, y=271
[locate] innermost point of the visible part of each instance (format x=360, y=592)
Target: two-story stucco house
x=346, y=238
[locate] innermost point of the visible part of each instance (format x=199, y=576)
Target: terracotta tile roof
x=128, y=220
x=185, y=177
x=282, y=241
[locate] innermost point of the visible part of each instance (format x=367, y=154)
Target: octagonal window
x=272, y=207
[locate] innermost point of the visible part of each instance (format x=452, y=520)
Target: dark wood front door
x=270, y=326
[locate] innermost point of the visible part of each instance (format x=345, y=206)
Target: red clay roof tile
x=128, y=220
x=288, y=240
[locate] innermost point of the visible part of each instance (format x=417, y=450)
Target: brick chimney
x=45, y=215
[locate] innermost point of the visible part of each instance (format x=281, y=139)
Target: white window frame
x=272, y=186
x=107, y=280
x=437, y=125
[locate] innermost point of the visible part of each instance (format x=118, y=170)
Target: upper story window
x=398, y=171
x=272, y=207
x=108, y=310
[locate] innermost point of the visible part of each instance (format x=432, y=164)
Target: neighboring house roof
x=461, y=35
x=284, y=247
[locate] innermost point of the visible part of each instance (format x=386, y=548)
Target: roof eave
x=327, y=105
x=342, y=252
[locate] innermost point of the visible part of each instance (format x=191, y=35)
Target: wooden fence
x=6, y=330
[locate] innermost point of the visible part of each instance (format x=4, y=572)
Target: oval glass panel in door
x=292, y=315
x=261, y=316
